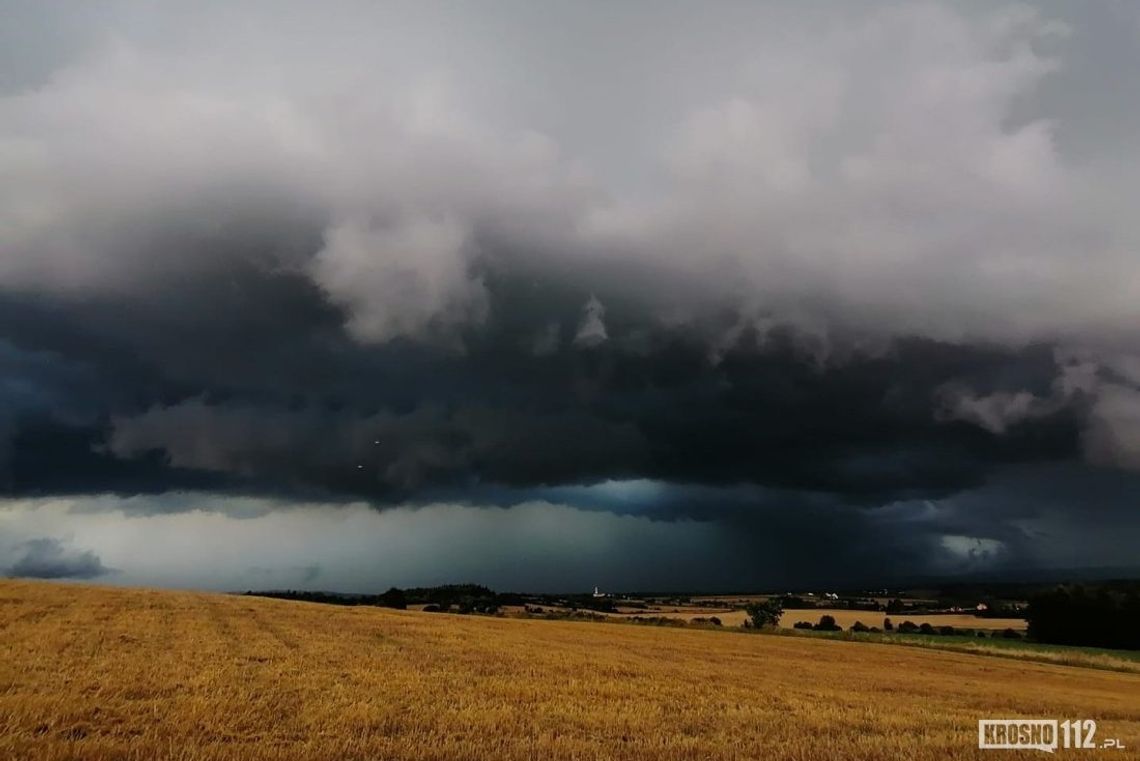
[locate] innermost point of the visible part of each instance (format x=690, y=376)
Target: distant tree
x=393, y=598
x=765, y=613
x=946, y=630
x=887, y=625
x=827, y=624
x=908, y=627
x=926, y=629
x=895, y=606
x=859, y=626
x=803, y=625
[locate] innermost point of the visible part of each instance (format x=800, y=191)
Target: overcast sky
x=644, y=295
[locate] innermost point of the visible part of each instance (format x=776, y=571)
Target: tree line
x=1092, y=617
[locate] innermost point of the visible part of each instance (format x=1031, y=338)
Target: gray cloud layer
x=47, y=558
x=858, y=254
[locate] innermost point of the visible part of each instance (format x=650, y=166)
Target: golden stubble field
x=100, y=674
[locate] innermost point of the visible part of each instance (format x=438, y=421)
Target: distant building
x=598, y=592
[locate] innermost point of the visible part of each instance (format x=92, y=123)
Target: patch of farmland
x=846, y=618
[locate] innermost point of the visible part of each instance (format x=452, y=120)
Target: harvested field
x=99, y=674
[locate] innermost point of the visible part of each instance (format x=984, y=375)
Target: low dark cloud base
x=327, y=415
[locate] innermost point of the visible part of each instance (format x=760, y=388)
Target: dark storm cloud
x=241, y=379
x=48, y=559
x=795, y=267
x=391, y=422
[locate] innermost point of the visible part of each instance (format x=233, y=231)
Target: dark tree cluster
x=827, y=624
x=463, y=598
x=765, y=613
x=1078, y=615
